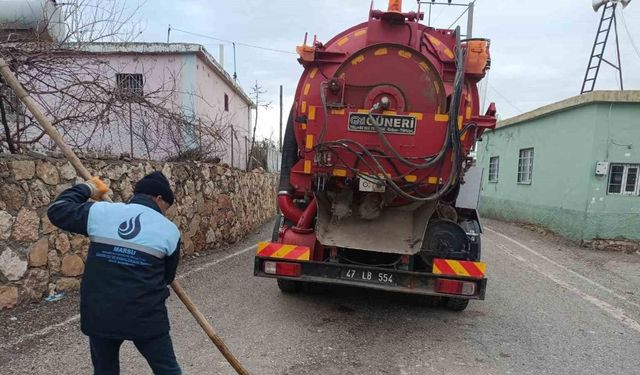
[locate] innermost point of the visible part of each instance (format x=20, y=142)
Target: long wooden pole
x=68, y=153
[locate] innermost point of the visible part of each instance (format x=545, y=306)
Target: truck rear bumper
x=373, y=278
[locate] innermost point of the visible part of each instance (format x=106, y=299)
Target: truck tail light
x=282, y=268
x=465, y=288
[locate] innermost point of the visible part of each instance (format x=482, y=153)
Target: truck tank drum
x=385, y=116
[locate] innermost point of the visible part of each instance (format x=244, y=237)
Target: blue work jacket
x=133, y=257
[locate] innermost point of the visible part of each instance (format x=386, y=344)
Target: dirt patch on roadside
x=598, y=244
x=30, y=318
x=624, y=246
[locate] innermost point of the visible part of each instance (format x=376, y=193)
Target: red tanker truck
x=377, y=188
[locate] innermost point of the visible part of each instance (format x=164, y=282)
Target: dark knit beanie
x=155, y=184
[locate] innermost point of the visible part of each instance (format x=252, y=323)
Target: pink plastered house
x=199, y=89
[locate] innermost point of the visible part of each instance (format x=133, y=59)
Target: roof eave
x=170, y=48
x=631, y=96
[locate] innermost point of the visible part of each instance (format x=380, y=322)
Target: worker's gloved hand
x=98, y=188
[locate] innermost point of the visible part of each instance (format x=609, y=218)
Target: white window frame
x=525, y=172
x=494, y=177
x=624, y=182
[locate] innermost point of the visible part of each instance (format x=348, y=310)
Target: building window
x=226, y=102
x=623, y=179
x=130, y=85
x=494, y=168
x=525, y=166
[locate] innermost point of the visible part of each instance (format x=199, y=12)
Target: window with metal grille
x=525, y=166
x=494, y=168
x=129, y=84
x=623, y=179
x=226, y=102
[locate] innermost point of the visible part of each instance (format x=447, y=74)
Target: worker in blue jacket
x=133, y=257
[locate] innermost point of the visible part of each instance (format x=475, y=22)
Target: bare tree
x=89, y=102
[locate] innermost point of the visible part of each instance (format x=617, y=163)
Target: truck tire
x=455, y=304
x=288, y=286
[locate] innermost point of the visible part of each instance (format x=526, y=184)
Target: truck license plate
x=369, y=276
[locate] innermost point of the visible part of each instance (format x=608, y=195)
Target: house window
x=130, y=84
x=623, y=179
x=226, y=102
x=494, y=168
x=525, y=166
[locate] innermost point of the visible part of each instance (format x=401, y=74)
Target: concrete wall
x=617, y=140
x=160, y=72
x=565, y=195
x=200, y=93
x=211, y=91
x=214, y=206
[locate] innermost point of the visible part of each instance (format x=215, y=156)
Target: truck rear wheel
x=288, y=286
x=455, y=304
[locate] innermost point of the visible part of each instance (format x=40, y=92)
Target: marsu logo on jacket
x=129, y=229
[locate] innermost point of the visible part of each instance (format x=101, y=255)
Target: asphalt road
x=551, y=308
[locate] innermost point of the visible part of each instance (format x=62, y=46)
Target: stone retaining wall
x=215, y=205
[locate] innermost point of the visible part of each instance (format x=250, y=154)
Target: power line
x=438, y=16
x=504, y=97
x=460, y=16
x=231, y=42
x=626, y=28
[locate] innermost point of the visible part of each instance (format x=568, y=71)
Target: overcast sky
x=539, y=48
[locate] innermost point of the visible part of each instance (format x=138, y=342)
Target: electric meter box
x=602, y=168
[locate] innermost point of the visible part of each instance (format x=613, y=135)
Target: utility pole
x=131, y=129
x=169, y=33
x=280, y=143
x=232, y=136
x=235, y=71
x=257, y=91
x=200, y=134
x=221, y=55
x=470, y=20
x=246, y=151
x=469, y=10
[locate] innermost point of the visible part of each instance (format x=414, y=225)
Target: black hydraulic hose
x=289, y=155
x=325, y=117
x=453, y=118
x=452, y=140
x=431, y=160
x=384, y=156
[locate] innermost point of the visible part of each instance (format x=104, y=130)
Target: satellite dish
x=597, y=4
